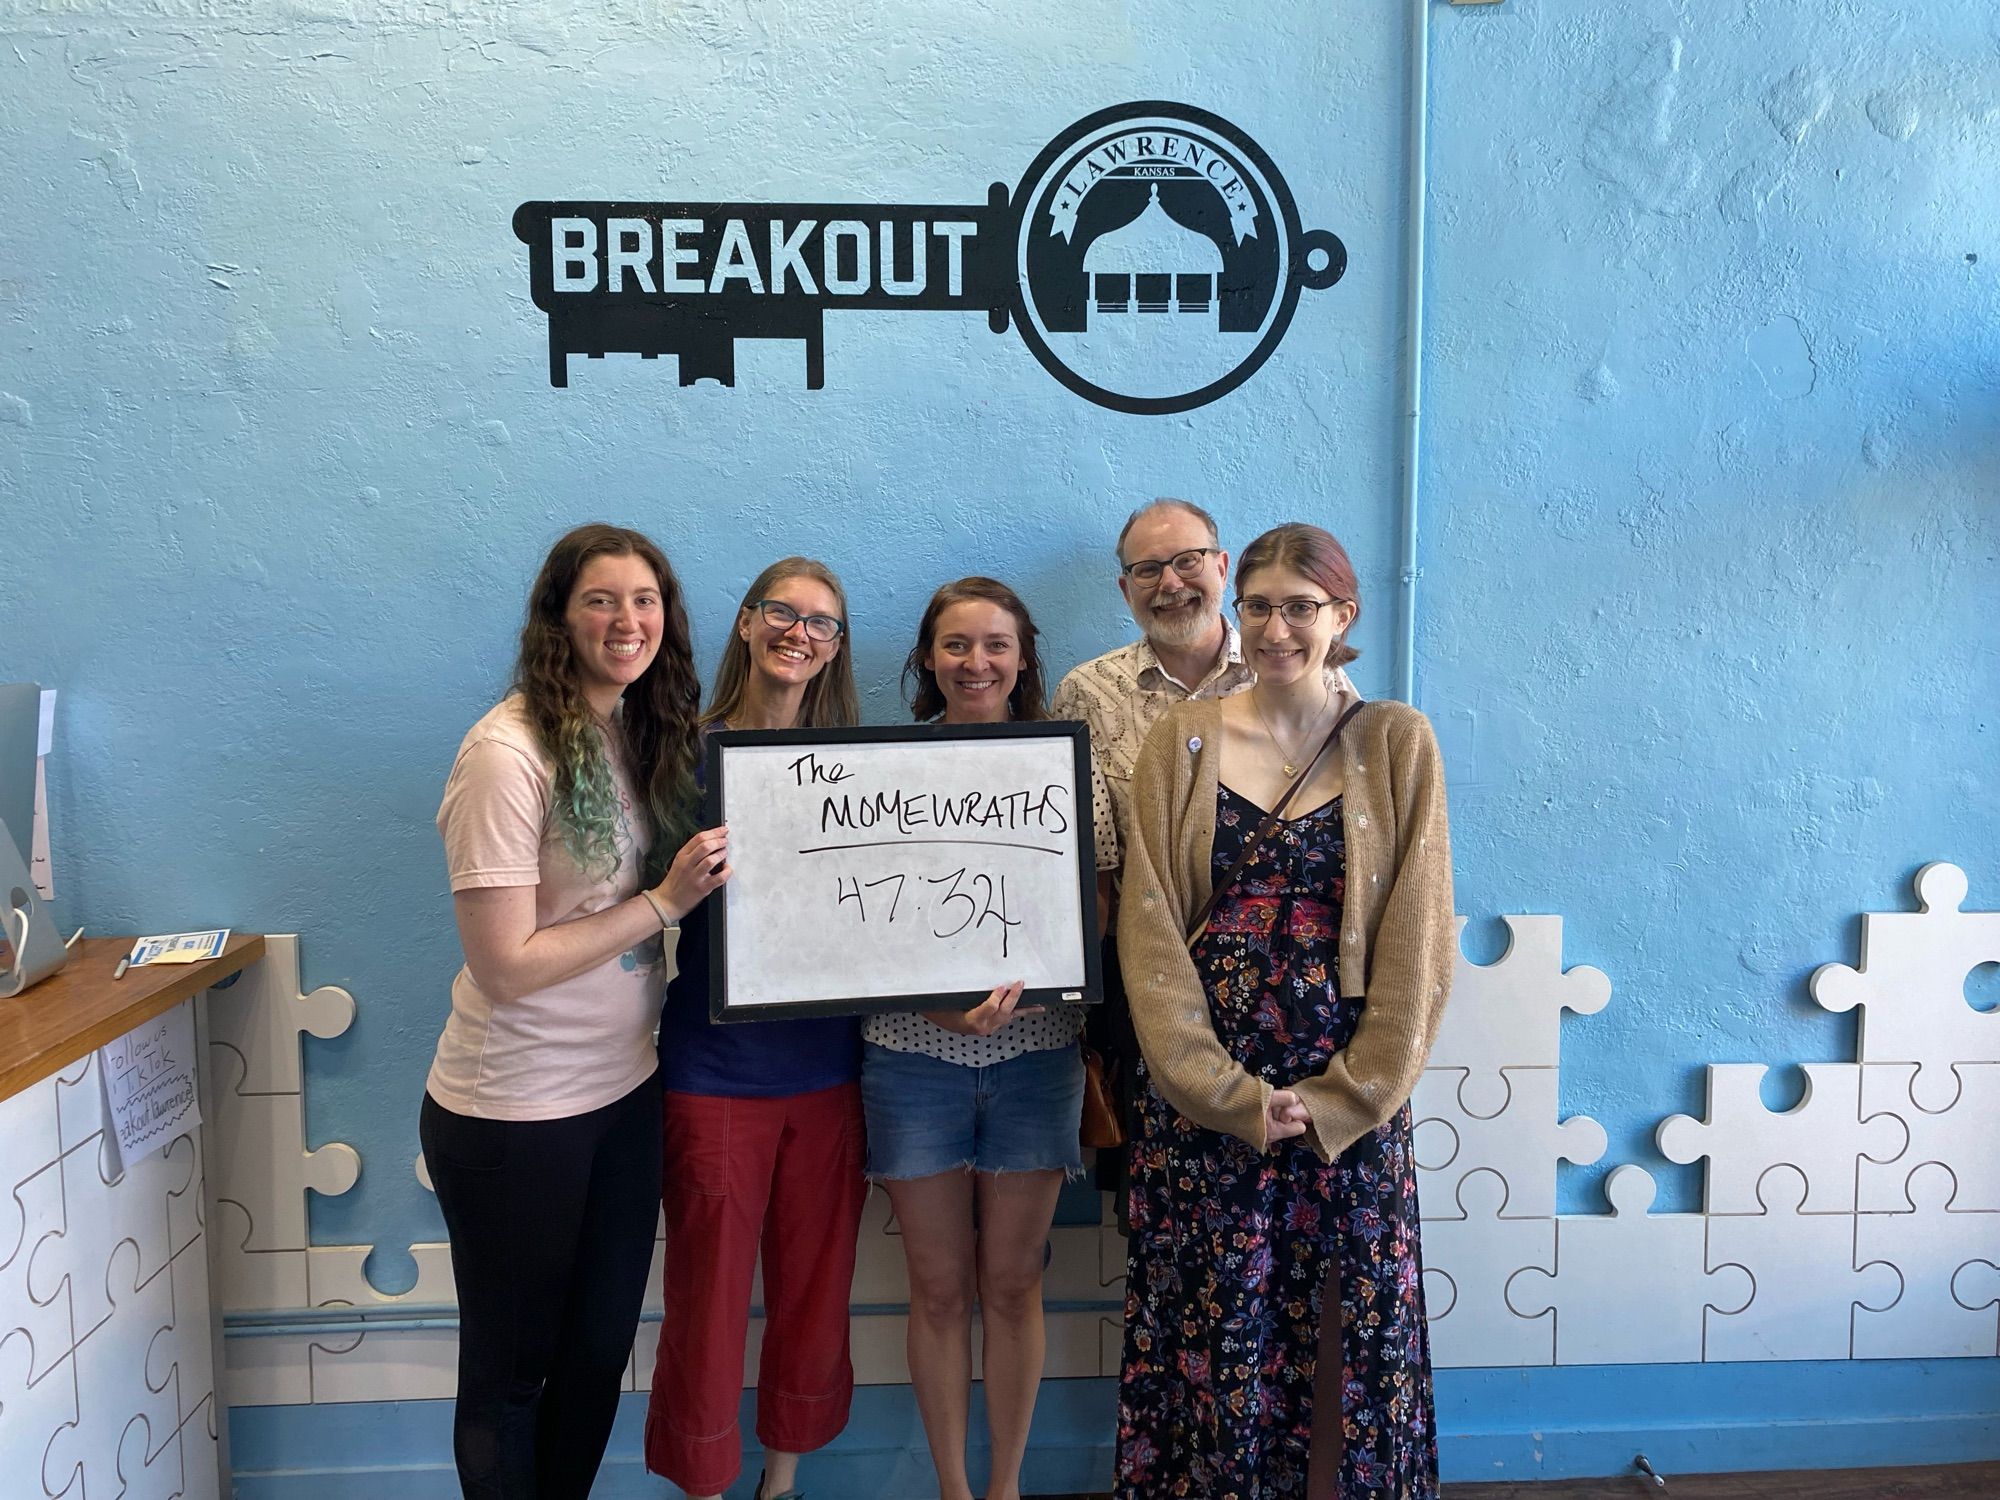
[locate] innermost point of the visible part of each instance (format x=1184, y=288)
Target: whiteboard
x=876, y=868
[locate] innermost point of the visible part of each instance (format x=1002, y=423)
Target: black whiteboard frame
x=715, y=911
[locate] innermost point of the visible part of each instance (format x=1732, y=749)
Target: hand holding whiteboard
x=902, y=869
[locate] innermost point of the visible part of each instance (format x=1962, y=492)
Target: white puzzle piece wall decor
x=1521, y=1142
x=268, y=1371
x=1929, y=1246
x=254, y=1280
x=79, y=1102
x=1975, y=1286
x=1824, y=1234
x=106, y=1353
x=102, y=1203
x=115, y=1385
x=260, y=1164
x=392, y=1364
x=259, y=1017
x=258, y=1157
x=1629, y=1288
x=1822, y=1136
x=1861, y=1210
x=1508, y=1014
x=1805, y=1289
x=1467, y=1263
x=32, y=1409
x=147, y=1476
x=1910, y=985
x=182, y=1160
x=29, y=1142
x=194, y=1301
x=1962, y=1134
x=45, y=1319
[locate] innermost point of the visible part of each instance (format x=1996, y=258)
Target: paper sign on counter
x=149, y=1088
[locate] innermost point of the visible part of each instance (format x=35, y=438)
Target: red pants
x=783, y=1175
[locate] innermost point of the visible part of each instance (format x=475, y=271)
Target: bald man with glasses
x=1172, y=570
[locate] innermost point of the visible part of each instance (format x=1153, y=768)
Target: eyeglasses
x=781, y=617
x=1188, y=564
x=1297, y=613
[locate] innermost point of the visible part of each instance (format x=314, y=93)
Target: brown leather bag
x=1102, y=1127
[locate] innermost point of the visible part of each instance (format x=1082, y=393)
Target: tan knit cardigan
x=1397, y=941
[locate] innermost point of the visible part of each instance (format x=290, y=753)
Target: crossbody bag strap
x=1269, y=826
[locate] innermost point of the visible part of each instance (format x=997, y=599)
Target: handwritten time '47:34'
x=971, y=899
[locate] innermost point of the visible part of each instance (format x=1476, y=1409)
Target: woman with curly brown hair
x=541, y=1115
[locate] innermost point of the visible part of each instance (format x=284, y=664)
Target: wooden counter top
x=52, y=1024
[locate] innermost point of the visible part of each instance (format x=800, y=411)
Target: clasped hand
x=1285, y=1116
x=987, y=1017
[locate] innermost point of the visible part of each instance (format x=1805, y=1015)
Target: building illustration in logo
x=1154, y=265
x=1151, y=260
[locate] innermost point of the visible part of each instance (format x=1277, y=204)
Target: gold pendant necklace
x=1289, y=763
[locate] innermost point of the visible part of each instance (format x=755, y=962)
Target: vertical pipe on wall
x=1416, y=147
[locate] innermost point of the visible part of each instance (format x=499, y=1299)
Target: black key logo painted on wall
x=1152, y=260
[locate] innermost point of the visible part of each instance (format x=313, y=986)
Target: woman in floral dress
x=1275, y=1272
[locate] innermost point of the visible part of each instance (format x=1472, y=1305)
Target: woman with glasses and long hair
x=763, y=1144
x=1288, y=944
x=973, y=1115
x=541, y=1116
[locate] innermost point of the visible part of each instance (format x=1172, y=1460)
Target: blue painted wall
x=1713, y=458
x=1712, y=446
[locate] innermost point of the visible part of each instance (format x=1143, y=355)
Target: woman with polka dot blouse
x=973, y=1115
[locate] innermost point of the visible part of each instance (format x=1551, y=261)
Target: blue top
x=745, y=1059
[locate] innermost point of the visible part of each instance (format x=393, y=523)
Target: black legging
x=551, y=1225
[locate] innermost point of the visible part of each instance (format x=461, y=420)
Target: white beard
x=1184, y=631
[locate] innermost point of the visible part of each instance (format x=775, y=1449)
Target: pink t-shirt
x=574, y=1046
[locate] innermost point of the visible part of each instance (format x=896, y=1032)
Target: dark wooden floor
x=1942, y=1482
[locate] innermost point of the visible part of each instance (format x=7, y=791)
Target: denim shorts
x=927, y=1116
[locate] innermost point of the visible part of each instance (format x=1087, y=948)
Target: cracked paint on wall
x=1634, y=142
x=1783, y=356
